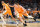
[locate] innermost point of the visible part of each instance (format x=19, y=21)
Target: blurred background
x=29, y=5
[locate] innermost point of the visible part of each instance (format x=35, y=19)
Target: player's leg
x=23, y=18
x=26, y=14
x=3, y=17
x=12, y=16
x=5, y=14
x=20, y=18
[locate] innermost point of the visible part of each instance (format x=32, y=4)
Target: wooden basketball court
x=21, y=25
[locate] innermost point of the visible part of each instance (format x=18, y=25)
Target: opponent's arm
x=11, y=6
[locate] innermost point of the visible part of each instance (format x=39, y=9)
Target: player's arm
x=11, y=6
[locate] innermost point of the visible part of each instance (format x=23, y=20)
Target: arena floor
x=30, y=23
x=21, y=25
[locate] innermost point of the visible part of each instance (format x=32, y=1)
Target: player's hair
x=2, y=1
x=16, y=3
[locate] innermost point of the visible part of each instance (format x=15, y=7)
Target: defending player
x=7, y=10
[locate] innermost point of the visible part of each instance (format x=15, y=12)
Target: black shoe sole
x=25, y=24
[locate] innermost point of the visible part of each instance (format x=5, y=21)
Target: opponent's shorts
x=7, y=12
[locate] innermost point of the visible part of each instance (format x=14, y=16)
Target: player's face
x=2, y=2
x=14, y=4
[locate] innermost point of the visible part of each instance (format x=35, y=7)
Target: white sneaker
x=30, y=17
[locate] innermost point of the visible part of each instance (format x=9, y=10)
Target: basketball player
x=20, y=11
x=19, y=15
x=7, y=10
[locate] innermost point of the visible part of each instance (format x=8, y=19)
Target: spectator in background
x=39, y=15
x=29, y=9
x=36, y=9
x=35, y=13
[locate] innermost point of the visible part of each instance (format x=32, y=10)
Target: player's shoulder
x=3, y=3
x=20, y=5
